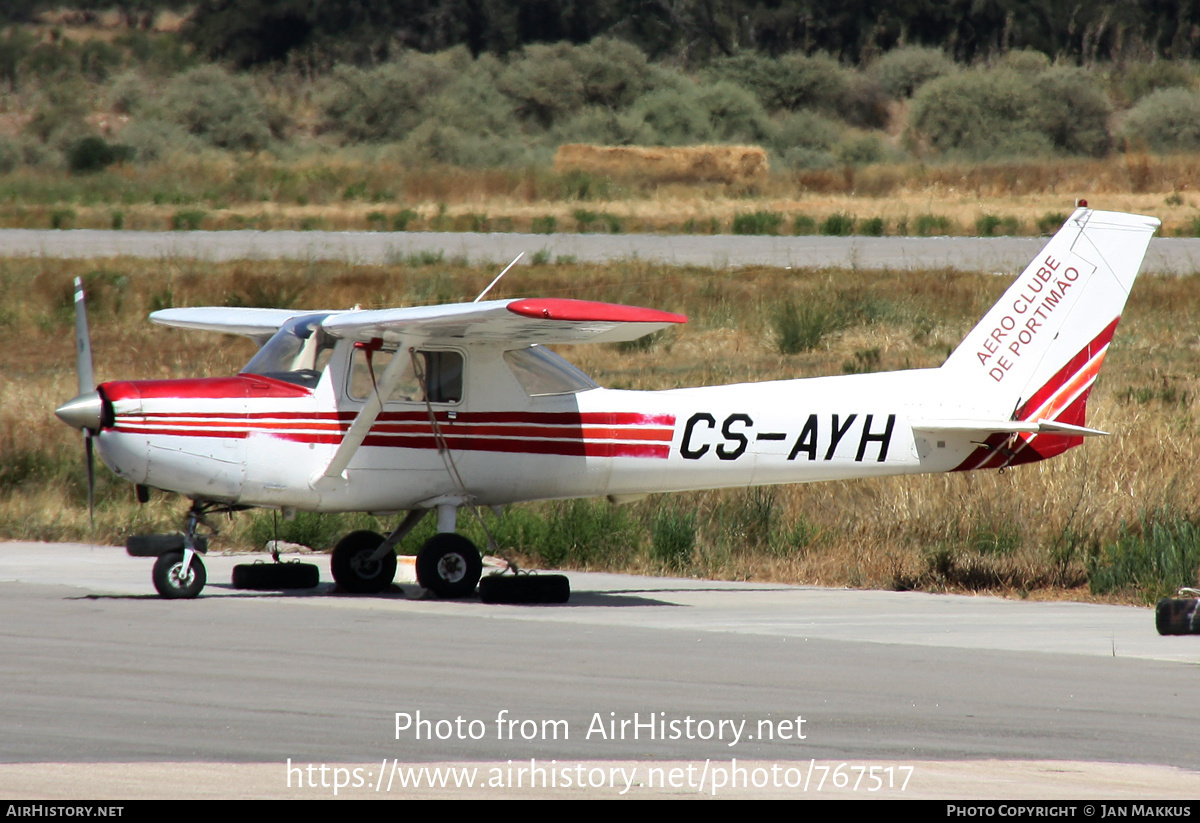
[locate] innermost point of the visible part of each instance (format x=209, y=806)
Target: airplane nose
x=82, y=412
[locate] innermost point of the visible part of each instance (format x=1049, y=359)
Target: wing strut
x=362, y=424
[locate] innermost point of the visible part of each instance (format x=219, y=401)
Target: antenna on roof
x=498, y=276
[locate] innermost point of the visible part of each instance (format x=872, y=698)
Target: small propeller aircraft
x=433, y=408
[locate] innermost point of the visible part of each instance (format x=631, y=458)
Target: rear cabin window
x=542, y=372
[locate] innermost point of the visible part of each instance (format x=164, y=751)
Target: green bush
x=986, y=225
x=401, y=219
x=1072, y=111
x=802, y=328
x=220, y=108
x=837, y=225
x=187, y=220
x=1166, y=121
x=676, y=116
x=92, y=154
x=803, y=224
x=792, y=82
x=805, y=139
x=759, y=222
x=901, y=71
x=1050, y=222
x=977, y=114
x=927, y=225
x=548, y=83
x=62, y=218
x=1154, y=557
x=872, y=227
x=386, y=102
x=547, y=224
x=673, y=536
x=1140, y=80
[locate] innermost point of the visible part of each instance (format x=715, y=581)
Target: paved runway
x=980, y=697
x=989, y=254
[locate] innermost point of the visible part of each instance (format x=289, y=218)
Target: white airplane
x=433, y=408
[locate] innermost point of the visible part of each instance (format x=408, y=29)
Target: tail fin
x=1034, y=356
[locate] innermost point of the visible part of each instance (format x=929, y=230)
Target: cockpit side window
x=297, y=353
x=438, y=375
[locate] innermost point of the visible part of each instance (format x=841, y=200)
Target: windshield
x=296, y=354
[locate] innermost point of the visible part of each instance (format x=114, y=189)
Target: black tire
x=525, y=588
x=174, y=582
x=276, y=576
x=354, y=571
x=449, y=565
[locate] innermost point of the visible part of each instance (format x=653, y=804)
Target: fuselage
x=260, y=441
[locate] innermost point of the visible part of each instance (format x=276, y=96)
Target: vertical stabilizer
x=1035, y=355
x=1051, y=328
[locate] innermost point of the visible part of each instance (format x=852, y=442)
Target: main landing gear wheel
x=353, y=568
x=173, y=581
x=525, y=588
x=449, y=565
x=276, y=576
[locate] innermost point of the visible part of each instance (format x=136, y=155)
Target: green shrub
x=92, y=154
x=402, y=218
x=986, y=225
x=547, y=224
x=1154, y=557
x=901, y=71
x=803, y=224
x=673, y=536
x=791, y=82
x=759, y=222
x=865, y=361
x=676, y=116
x=220, y=108
x=187, y=220
x=872, y=227
x=860, y=150
x=802, y=328
x=62, y=218
x=1141, y=79
x=837, y=225
x=977, y=114
x=1050, y=222
x=1166, y=121
x=927, y=225
x=1072, y=111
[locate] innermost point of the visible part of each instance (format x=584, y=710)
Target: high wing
x=514, y=322
x=519, y=322
x=257, y=324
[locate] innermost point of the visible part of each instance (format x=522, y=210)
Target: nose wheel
x=179, y=575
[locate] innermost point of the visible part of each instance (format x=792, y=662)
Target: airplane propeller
x=85, y=410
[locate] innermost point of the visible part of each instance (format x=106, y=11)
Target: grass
x=264, y=192
x=1060, y=528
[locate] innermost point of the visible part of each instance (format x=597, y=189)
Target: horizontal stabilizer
x=987, y=427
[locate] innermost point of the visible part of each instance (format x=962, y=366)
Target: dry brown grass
x=1025, y=532
x=341, y=192
x=732, y=165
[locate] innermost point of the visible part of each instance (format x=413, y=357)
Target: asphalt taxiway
x=111, y=691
